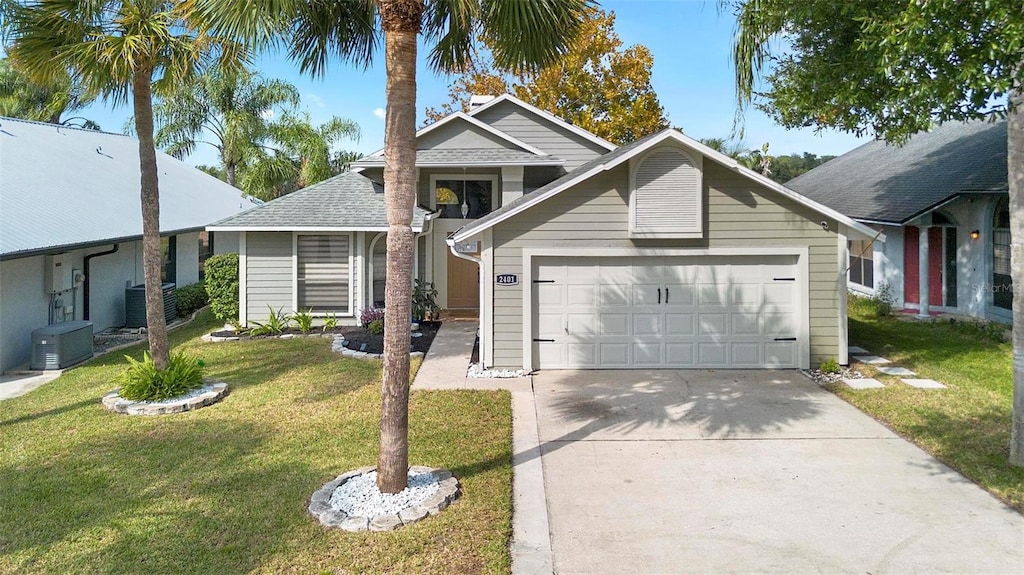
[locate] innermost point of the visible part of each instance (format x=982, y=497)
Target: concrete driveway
x=749, y=471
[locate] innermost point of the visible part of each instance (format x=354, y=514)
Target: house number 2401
x=506, y=279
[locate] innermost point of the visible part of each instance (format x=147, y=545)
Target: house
x=71, y=227
x=575, y=253
x=942, y=201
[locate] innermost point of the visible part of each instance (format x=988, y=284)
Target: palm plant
x=123, y=51
x=526, y=36
x=231, y=105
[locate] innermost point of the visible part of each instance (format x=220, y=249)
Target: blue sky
x=693, y=77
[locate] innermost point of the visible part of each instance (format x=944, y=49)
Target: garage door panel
x=712, y=311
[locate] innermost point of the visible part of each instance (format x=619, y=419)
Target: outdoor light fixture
x=975, y=234
x=465, y=209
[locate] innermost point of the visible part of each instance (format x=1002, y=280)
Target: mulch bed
x=356, y=336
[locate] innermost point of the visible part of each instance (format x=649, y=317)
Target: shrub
x=304, y=320
x=222, y=286
x=369, y=315
x=829, y=366
x=276, y=323
x=142, y=381
x=376, y=327
x=424, y=300
x=330, y=322
x=879, y=305
x=190, y=298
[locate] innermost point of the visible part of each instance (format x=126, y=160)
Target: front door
x=463, y=283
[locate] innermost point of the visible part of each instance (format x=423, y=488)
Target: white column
x=922, y=272
x=511, y=183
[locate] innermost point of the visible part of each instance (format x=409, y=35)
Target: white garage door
x=652, y=312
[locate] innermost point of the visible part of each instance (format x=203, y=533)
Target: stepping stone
x=862, y=383
x=871, y=359
x=854, y=350
x=897, y=371
x=923, y=383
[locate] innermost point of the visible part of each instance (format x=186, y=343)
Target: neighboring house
x=575, y=253
x=942, y=201
x=71, y=227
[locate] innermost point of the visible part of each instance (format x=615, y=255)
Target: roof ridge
x=60, y=126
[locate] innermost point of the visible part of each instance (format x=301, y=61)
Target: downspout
x=88, y=278
x=427, y=230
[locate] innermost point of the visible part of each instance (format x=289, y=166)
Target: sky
x=693, y=77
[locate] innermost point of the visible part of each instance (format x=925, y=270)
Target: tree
x=120, y=50
x=599, y=85
x=524, y=37
x=21, y=97
x=295, y=154
x=892, y=69
x=232, y=106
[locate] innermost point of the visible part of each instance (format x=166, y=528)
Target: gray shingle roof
x=62, y=187
x=346, y=201
x=885, y=183
x=469, y=157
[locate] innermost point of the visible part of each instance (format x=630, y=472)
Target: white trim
x=841, y=293
x=487, y=301
x=473, y=122
x=547, y=116
x=360, y=265
x=351, y=272
x=243, y=284
x=803, y=277
x=474, y=164
x=304, y=229
x=495, y=180
x=535, y=198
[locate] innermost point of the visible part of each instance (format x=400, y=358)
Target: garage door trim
x=801, y=252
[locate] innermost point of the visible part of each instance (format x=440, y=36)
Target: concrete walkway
x=749, y=471
x=16, y=385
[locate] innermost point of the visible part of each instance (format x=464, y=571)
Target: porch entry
x=942, y=285
x=463, y=284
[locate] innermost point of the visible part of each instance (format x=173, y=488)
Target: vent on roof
x=666, y=199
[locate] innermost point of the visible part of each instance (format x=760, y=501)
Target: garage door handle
x=784, y=279
x=544, y=340
x=659, y=295
x=666, y=295
x=543, y=281
x=785, y=339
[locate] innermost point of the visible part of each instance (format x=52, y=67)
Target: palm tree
x=22, y=98
x=526, y=35
x=233, y=106
x=120, y=50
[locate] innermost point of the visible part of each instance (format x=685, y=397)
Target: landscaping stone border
x=114, y=402
x=320, y=503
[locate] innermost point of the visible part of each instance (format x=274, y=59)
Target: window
x=666, y=199
x=862, y=265
x=1002, y=283
x=169, y=258
x=463, y=199
x=205, y=251
x=323, y=272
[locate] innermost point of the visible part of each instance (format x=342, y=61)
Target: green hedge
x=190, y=298
x=222, y=286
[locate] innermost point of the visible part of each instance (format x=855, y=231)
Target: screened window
x=1002, y=283
x=463, y=199
x=862, y=265
x=323, y=273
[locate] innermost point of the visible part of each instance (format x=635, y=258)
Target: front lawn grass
x=967, y=425
x=224, y=489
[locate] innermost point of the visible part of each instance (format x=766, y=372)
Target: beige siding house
x=575, y=253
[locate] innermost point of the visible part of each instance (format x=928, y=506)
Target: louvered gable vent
x=667, y=199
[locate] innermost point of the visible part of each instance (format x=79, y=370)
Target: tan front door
x=463, y=283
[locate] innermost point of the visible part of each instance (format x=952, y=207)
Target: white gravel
x=823, y=378
x=476, y=372
x=360, y=497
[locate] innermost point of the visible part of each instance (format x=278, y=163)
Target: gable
x=540, y=132
x=460, y=134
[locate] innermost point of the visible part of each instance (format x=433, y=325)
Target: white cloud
x=267, y=114
x=316, y=101
x=380, y=113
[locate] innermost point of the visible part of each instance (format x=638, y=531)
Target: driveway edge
x=531, y=536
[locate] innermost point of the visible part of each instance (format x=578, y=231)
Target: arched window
x=1002, y=283
x=666, y=199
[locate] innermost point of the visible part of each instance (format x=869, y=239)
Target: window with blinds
x=666, y=197
x=323, y=273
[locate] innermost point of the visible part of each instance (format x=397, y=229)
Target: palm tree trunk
x=151, y=256
x=229, y=172
x=400, y=20
x=1015, y=165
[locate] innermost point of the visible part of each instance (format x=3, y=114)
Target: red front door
x=911, y=269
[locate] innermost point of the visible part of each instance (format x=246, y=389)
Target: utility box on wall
x=58, y=275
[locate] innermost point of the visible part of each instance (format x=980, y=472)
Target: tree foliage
x=892, y=69
x=599, y=85
x=22, y=97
